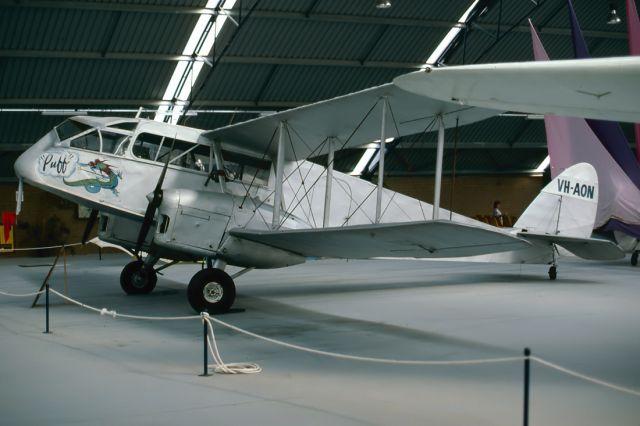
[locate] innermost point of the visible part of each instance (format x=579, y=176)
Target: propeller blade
x=90, y=223
x=154, y=203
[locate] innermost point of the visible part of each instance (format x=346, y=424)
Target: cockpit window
x=70, y=128
x=114, y=143
x=184, y=154
x=90, y=141
x=245, y=168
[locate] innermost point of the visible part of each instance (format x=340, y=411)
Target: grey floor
x=96, y=370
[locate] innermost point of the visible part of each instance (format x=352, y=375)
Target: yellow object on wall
x=6, y=245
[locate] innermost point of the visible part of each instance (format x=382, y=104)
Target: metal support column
x=438, y=183
x=277, y=201
x=327, y=191
x=381, y=152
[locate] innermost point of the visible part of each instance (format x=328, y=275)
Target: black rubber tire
x=553, y=273
x=136, y=279
x=634, y=258
x=196, y=291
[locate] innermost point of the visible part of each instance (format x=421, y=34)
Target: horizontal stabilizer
x=432, y=239
x=586, y=248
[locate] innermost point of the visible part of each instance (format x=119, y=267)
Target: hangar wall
x=473, y=194
x=49, y=220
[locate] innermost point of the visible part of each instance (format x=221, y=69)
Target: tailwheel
x=634, y=258
x=553, y=273
x=212, y=290
x=135, y=278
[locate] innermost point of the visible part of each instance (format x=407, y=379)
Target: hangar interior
x=114, y=57
x=151, y=58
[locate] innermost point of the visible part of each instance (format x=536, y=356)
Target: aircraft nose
x=26, y=165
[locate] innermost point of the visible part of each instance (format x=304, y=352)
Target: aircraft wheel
x=136, y=279
x=211, y=289
x=634, y=258
x=553, y=273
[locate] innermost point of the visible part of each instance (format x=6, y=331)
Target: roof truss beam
x=64, y=54
x=263, y=14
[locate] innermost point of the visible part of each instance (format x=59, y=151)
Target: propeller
x=87, y=230
x=153, y=204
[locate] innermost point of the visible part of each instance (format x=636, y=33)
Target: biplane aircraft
x=247, y=195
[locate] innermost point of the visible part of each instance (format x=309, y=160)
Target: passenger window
x=69, y=128
x=113, y=143
x=90, y=141
x=245, y=168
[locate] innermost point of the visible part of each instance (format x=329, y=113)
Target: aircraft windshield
x=247, y=169
x=69, y=129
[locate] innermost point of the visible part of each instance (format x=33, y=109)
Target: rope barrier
x=41, y=248
x=248, y=368
x=114, y=314
x=585, y=377
x=220, y=367
x=21, y=294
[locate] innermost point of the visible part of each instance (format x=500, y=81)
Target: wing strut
x=327, y=191
x=438, y=183
x=381, y=155
x=277, y=202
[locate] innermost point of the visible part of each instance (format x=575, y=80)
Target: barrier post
x=527, y=367
x=46, y=299
x=205, y=336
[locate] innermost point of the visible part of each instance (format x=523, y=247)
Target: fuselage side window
x=114, y=143
x=245, y=168
x=90, y=141
x=70, y=128
x=146, y=146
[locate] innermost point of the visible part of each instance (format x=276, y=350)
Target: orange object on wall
x=6, y=233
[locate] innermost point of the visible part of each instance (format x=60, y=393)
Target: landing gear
x=136, y=278
x=634, y=258
x=211, y=289
x=553, y=270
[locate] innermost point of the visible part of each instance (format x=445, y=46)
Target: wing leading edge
x=431, y=239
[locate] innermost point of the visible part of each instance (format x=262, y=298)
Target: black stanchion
x=205, y=327
x=527, y=366
x=46, y=299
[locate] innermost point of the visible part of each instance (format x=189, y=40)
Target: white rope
x=41, y=248
x=21, y=294
x=585, y=377
x=114, y=314
x=367, y=359
x=220, y=366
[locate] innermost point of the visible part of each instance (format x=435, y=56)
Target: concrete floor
x=97, y=370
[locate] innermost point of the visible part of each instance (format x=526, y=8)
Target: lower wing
x=431, y=239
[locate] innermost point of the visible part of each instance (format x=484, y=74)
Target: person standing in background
x=497, y=213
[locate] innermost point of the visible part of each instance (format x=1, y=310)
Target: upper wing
x=339, y=117
x=432, y=239
x=603, y=88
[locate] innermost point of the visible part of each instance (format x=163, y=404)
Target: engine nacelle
x=192, y=221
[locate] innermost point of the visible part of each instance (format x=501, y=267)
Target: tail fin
x=566, y=207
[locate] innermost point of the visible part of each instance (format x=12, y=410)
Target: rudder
x=567, y=206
